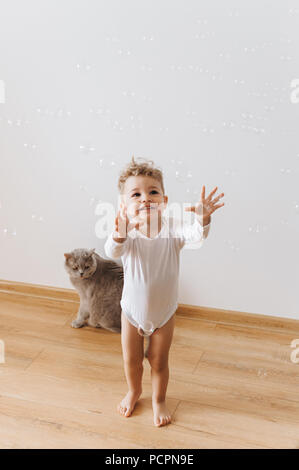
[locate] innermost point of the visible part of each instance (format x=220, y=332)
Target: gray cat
x=99, y=283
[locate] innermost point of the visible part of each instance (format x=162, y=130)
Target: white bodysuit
x=151, y=270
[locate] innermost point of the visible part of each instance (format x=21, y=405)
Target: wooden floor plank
x=230, y=386
x=238, y=427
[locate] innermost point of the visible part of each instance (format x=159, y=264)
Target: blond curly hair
x=145, y=168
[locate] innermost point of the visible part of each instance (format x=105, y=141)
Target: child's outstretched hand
x=123, y=225
x=206, y=206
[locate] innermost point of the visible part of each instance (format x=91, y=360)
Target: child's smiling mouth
x=147, y=208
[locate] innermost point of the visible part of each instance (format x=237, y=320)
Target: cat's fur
x=99, y=283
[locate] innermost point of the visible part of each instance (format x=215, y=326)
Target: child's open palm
x=122, y=225
x=206, y=206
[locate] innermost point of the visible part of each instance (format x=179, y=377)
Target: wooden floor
x=231, y=386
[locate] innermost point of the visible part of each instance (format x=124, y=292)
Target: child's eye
x=153, y=191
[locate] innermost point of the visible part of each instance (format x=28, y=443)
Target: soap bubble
x=147, y=329
x=30, y=146
x=83, y=67
x=86, y=149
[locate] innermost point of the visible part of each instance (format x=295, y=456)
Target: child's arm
x=192, y=235
x=115, y=249
x=205, y=225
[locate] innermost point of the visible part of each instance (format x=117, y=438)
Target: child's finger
x=218, y=197
x=120, y=224
x=211, y=193
x=126, y=216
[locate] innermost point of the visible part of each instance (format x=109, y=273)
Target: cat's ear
x=67, y=255
x=92, y=251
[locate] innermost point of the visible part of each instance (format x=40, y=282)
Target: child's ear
x=165, y=199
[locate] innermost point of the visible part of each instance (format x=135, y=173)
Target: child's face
x=143, y=197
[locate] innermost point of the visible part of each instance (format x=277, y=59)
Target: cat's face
x=80, y=263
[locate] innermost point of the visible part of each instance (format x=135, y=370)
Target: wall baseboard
x=37, y=290
x=216, y=315
x=242, y=319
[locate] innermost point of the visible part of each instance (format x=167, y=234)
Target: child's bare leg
x=132, y=347
x=158, y=352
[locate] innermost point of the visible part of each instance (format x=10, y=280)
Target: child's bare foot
x=126, y=406
x=161, y=413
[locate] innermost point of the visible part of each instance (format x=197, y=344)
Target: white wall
x=200, y=87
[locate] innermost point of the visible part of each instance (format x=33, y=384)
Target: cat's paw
x=77, y=324
x=93, y=324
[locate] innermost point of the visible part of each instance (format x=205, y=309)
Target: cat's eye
x=75, y=267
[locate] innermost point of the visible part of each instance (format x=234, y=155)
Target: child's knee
x=157, y=363
x=133, y=362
